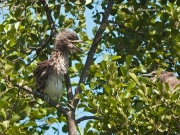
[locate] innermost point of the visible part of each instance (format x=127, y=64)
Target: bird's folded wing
x=41, y=75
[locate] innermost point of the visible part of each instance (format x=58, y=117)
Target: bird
x=164, y=76
x=49, y=74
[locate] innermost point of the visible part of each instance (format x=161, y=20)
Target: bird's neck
x=59, y=62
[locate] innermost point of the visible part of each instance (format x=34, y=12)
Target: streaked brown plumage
x=49, y=73
x=165, y=76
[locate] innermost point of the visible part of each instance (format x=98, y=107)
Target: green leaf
x=107, y=88
x=69, y=22
x=1, y=28
x=127, y=95
x=106, y=57
x=3, y=114
x=30, y=123
x=124, y=70
x=98, y=74
x=128, y=60
x=12, y=43
x=131, y=85
x=51, y=121
x=4, y=125
x=2, y=88
x=133, y=76
x=115, y=57
x=7, y=27
x=131, y=110
x=82, y=87
x=15, y=118
x=89, y=6
x=65, y=128
x=140, y=92
x=16, y=25
x=161, y=111
x=159, y=86
x=139, y=106
x=144, y=88
x=126, y=10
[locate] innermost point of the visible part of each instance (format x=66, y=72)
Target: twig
x=92, y=51
x=87, y=118
x=126, y=28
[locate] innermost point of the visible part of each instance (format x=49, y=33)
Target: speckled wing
x=41, y=75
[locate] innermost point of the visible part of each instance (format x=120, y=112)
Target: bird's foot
x=69, y=105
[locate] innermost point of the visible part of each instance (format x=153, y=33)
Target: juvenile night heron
x=165, y=76
x=49, y=74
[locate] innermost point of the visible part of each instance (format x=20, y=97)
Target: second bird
x=165, y=76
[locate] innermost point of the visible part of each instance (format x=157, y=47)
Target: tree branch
x=87, y=118
x=68, y=87
x=126, y=28
x=42, y=45
x=53, y=30
x=93, y=48
x=49, y=17
x=51, y=102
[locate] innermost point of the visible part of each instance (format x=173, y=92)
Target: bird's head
x=163, y=75
x=152, y=74
x=66, y=41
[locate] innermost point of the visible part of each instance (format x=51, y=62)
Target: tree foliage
x=131, y=37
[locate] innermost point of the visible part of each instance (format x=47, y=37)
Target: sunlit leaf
x=133, y=76
x=106, y=57
x=3, y=114
x=107, y=88
x=115, y=57
x=88, y=2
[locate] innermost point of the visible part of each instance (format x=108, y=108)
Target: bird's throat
x=59, y=63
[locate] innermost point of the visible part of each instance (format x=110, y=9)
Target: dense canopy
x=128, y=38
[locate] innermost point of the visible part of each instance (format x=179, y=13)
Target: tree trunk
x=70, y=117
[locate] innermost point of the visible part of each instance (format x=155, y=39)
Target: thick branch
x=93, y=48
x=87, y=118
x=68, y=87
x=51, y=102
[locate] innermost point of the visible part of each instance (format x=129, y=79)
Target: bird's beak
x=74, y=48
x=147, y=75
x=78, y=41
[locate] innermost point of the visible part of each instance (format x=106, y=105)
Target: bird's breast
x=54, y=87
